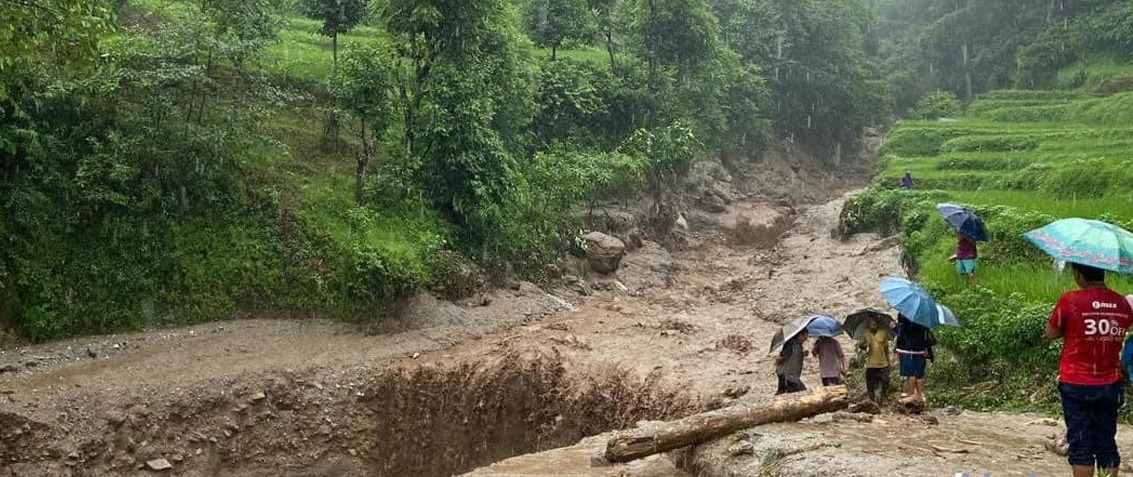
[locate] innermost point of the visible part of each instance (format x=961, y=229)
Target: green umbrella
x=1088, y=242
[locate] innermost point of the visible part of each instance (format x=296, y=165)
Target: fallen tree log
x=710, y=425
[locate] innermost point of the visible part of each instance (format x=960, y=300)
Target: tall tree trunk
x=554, y=51
x=363, y=160
x=967, y=74
x=650, y=44
x=610, y=50
x=334, y=51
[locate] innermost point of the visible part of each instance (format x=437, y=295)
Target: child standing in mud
x=789, y=365
x=831, y=360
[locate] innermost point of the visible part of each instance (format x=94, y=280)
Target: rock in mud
x=736, y=392
x=713, y=203
x=1057, y=446
x=159, y=465
x=681, y=223
x=865, y=407
x=741, y=448
x=603, y=252
x=852, y=416
x=909, y=405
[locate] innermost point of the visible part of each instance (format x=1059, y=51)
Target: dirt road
x=517, y=371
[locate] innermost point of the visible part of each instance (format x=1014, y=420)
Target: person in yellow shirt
x=876, y=344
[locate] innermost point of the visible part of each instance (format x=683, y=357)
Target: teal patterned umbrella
x=1087, y=242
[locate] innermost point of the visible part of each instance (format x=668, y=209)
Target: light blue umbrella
x=1088, y=242
x=824, y=326
x=915, y=303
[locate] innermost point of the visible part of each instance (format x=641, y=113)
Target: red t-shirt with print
x=1093, y=323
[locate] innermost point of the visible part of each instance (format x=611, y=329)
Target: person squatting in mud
x=789, y=365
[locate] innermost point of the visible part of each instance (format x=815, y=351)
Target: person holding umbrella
x=789, y=365
x=969, y=229
x=914, y=345
x=789, y=340
x=966, y=257
x=1091, y=322
x=917, y=314
x=831, y=358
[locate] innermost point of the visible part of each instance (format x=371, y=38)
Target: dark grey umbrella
x=789, y=330
x=857, y=322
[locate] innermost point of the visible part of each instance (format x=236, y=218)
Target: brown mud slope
x=420, y=421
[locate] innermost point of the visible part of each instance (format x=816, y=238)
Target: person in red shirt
x=1092, y=323
x=966, y=257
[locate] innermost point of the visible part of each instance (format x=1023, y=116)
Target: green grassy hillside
x=1022, y=159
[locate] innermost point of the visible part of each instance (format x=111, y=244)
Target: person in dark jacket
x=914, y=349
x=789, y=365
x=907, y=180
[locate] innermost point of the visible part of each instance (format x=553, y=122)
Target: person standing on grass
x=876, y=344
x=789, y=365
x=831, y=360
x=1091, y=322
x=913, y=344
x=966, y=257
x=907, y=180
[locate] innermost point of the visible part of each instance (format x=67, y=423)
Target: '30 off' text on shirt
x=1093, y=323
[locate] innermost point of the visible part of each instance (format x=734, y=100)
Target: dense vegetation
x=179, y=160
x=1021, y=159
x=968, y=47
x=170, y=161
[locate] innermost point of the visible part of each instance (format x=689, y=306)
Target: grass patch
x=302, y=53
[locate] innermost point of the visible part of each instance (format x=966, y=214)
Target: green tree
x=605, y=25
x=552, y=22
x=365, y=89
x=940, y=104
x=465, y=90
x=669, y=152
x=338, y=17
x=824, y=89
x=672, y=34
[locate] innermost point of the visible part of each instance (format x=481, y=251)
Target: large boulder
x=603, y=252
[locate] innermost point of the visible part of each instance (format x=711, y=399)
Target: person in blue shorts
x=914, y=347
x=966, y=257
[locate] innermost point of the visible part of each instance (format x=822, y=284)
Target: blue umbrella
x=824, y=326
x=964, y=221
x=915, y=303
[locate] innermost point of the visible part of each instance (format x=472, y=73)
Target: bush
x=959, y=163
x=990, y=144
x=1029, y=114
x=980, y=107
x=913, y=141
x=1030, y=95
x=940, y=104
